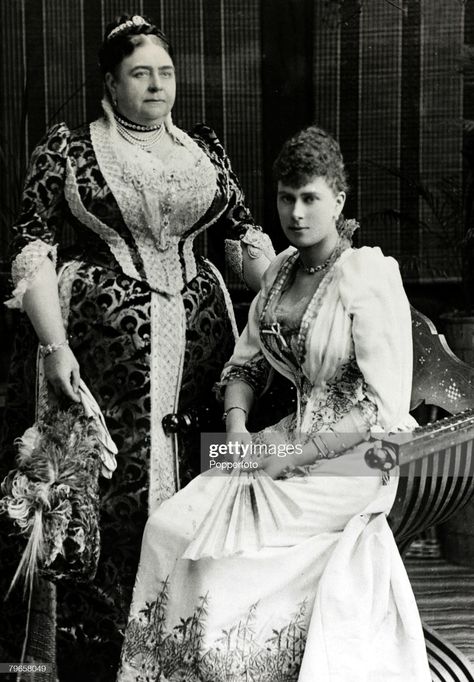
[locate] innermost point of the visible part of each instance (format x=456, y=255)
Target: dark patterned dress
x=150, y=324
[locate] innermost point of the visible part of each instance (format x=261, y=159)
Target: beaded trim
x=280, y=281
x=315, y=303
x=344, y=242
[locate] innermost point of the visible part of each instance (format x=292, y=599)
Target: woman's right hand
x=62, y=371
x=239, y=437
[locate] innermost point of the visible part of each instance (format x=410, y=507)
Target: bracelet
x=234, y=407
x=321, y=447
x=50, y=348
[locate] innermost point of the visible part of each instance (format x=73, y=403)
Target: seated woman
x=324, y=596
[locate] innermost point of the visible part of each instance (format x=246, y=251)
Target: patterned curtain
x=385, y=76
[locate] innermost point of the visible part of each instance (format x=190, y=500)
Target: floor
x=445, y=597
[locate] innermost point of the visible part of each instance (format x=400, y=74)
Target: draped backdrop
x=387, y=77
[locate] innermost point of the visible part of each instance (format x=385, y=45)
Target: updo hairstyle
x=122, y=44
x=311, y=153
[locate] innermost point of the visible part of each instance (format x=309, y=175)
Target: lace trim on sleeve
x=26, y=266
x=255, y=373
x=233, y=257
x=257, y=242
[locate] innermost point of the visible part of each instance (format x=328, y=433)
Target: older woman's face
x=144, y=86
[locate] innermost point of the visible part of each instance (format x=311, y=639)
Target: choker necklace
x=127, y=123
x=144, y=139
x=312, y=269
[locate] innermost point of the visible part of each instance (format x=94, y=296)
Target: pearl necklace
x=126, y=123
x=312, y=269
x=145, y=139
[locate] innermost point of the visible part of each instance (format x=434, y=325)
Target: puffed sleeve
x=372, y=293
x=236, y=226
x=35, y=231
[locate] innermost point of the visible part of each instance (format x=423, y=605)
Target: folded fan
x=249, y=509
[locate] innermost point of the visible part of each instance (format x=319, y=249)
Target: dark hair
x=113, y=50
x=310, y=153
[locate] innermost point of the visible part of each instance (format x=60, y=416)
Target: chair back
x=437, y=463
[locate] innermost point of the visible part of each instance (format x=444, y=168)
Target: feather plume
x=52, y=495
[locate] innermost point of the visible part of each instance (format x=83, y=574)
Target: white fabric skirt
x=327, y=599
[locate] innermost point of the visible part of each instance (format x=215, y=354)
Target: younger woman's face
x=308, y=214
x=144, y=86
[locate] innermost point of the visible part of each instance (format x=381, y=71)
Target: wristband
x=50, y=348
x=321, y=447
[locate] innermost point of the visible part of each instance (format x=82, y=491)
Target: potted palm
x=444, y=223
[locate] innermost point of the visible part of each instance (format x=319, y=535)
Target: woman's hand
x=41, y=304
x=275, y=452
x=239, y=443
x=274, y=465
x=62, y=371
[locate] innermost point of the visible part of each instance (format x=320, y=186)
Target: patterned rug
x=445, y=596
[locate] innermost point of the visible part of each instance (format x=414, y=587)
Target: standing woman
x=143, y=320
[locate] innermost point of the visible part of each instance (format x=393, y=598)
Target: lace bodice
x=173, y=194
x=178, y=191
x=159, y=202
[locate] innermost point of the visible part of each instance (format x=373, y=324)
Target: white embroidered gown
x=326, y=598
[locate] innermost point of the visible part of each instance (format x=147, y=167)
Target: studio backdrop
x=392, y=79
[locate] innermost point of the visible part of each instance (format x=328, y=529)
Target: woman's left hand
x=283, y=452
x=274, y=465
